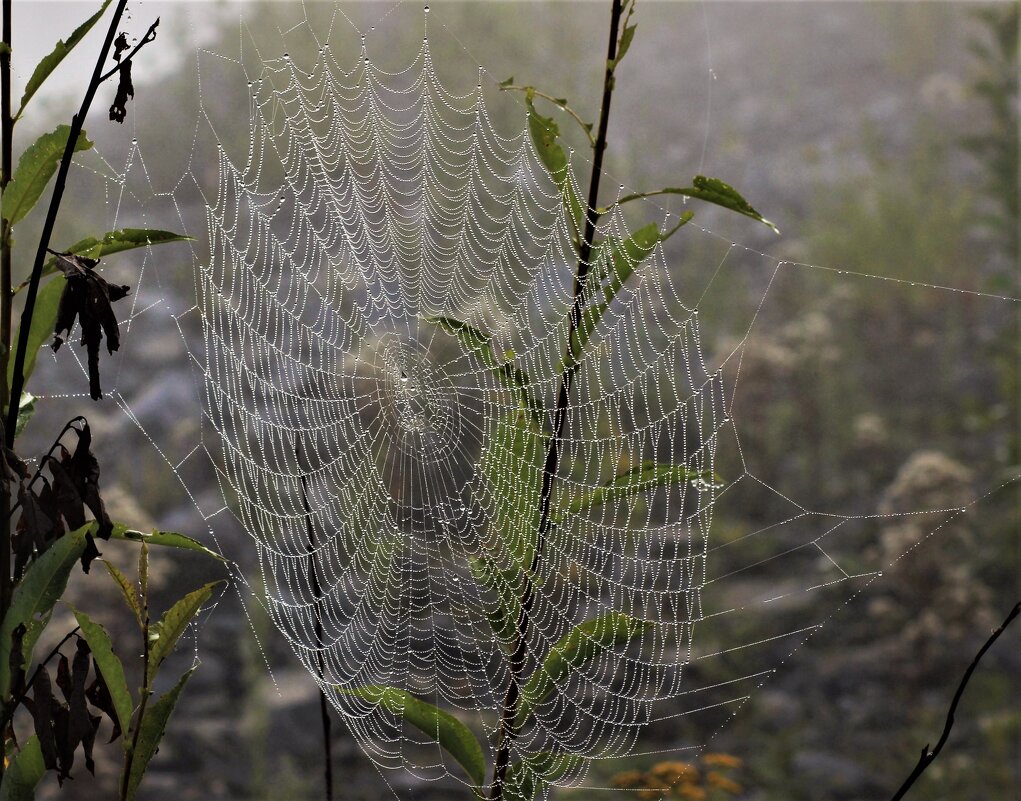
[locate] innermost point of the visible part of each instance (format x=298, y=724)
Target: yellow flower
x=691, y=791
x=721, y=781
x=675, y=772
x=629, y=779
x=722, y=760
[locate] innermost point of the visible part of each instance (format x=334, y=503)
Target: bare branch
x=928, y=757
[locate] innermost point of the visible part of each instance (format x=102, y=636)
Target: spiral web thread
x=371, y=453
x=390, y=480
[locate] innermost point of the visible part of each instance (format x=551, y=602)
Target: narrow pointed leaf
x=527, y=778
x=24, y=772
x=512, y=469
x=39, y=589
x=128, y=590
x=622, y=258
x=51, y=61
x=628, y=485
x=625, y=44
x=710, y=190
x=475, y=341
x=109, y=665
x=44, y=318
x=116, y=242
x=165, y=539
x=35, y=169
x=455, y=738
x=507, y=585
x=173, y=624
x=26, y=409
x=545, y=132
x=150, y=732
x=580, y=646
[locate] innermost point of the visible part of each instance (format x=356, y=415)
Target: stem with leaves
x=324, y=710
x=6, y=168
x=551, y=466
x=146, y=689
x=77, y=123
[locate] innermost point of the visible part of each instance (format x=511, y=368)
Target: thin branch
x=77, y=123
x=149, y=36
x=509, y=714
x=559, y=103
x=324, y=712
x=928, y=757
x=6, y=168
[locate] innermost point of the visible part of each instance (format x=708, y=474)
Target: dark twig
x=77, y=123
x=324, y=710
x=508, y=718
x=149, y=36
x=68, y=426
x=928, y=757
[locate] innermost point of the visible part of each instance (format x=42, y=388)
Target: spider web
x=385, y=474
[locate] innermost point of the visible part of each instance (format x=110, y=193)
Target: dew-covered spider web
x=384, y=273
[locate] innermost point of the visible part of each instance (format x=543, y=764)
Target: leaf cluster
x=58, y=510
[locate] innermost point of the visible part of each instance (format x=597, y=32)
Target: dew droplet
x=426, y=9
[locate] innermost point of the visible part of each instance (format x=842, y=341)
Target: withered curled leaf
x=87, y=296
x=99, y=696
x=120, y=44
x=125, y=90
x=42, y=700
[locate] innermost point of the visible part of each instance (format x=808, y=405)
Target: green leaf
x=23, y=773
x=624, y=45
x=165, y=634
x=110, y=666
x=150, y=732
x=166, y=539
x=503, y=616
x=127, y=589
x=26, y=408
x=629, y=484
x=35, y=169
x=481, y=345
x=455, y=738
x=710, y=190
x=508, y=82
x=44, y=318
x=39, y=589
x=48, y=64
x=527, y=778
x=116, y=242
x=621, y=259
x=33, y=630
x=512, y=469
x=579, y=647
x=544, y=133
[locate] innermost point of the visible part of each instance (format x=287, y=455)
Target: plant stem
x=146, y=691
x=928, y=757
x=324, y=710
x=77, y=122
x=6, y=168
x=508, y=720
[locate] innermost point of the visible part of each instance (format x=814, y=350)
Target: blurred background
x=882, y=138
